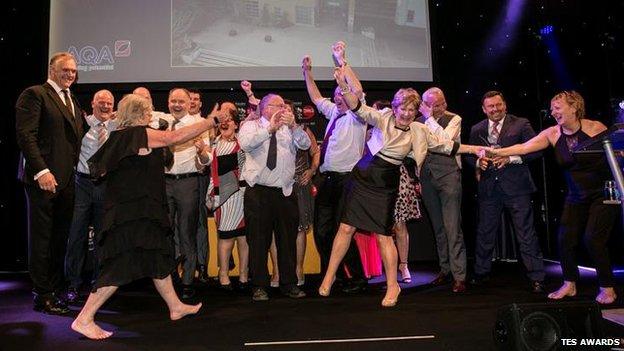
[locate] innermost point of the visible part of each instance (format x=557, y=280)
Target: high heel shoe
x=325, y=291
x=387, y=302
x=406, y=277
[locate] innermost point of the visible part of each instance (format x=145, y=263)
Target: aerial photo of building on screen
x=248, y=33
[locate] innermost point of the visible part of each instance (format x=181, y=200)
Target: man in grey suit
x=440, y=178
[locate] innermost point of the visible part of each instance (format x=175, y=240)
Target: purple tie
x=330, y=130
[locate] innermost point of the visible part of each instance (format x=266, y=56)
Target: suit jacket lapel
x=483, y=133
x=506, y=125
x=61, y=106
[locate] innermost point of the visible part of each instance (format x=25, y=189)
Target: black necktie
x=272, y=157
x=67, y=101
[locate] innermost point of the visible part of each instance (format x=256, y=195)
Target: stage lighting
x=547, y=29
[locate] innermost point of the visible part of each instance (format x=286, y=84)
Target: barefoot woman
x=584, y=214
x=135, y=241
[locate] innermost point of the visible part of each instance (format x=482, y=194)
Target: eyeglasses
x=277, y=105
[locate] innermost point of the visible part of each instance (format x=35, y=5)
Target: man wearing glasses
x=271, y=144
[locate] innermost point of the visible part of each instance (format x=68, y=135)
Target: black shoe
x=243, y=286
x=226, y=287
x=203, y=274
x=259, y=294
x=441, y=279
x=50, y=305
x=187, y=292
x=71, y=296
x=355, y=286
x=294, y=293
x=537, y=287
x=479, y=279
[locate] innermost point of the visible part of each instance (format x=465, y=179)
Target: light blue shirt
x=90, y=144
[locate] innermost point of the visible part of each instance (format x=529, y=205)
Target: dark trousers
x=521, y=213
x=328, y=207
x=202, y=223
x=268, y=211
x=183, y=202
x=593, y=221
x=88, y=210
x=50, y=218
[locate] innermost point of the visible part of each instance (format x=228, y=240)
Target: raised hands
x=306, y=64
x=340, y=77
x=425, y=110
x=338, y=53
x=246, y=86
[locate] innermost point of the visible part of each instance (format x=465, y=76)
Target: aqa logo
x=91, y=56
x=123, y=48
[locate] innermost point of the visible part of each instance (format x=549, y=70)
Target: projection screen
x=118, y=41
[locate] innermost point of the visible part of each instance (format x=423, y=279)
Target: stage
x=426, y=318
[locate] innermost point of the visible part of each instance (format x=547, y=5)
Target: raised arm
x=313, y=91
x=162, y=138
x=537, y=143
x=251, y=98
x=339, y=55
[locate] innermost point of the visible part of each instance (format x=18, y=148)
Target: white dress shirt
x=254, y=139
x=452, y=131
x=185, y=158
x=346, y=144
x=90, y=143
x=512, y=159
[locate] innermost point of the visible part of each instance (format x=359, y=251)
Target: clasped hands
x=488, y=155
x=281, y=118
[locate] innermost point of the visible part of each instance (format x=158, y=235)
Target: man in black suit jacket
x=504, y=183
x=49, y=128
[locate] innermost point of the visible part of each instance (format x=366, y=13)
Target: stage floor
x=425, y=318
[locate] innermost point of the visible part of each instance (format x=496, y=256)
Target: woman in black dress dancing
x=135, y=241
x=584, y=214
x=371, y=192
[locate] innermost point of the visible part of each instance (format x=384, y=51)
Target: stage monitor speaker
x=541, y=326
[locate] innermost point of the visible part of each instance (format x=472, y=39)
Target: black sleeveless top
x=585, y=174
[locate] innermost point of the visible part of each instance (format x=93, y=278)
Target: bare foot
x=184, y=310
x=392, y=296
x=606, y=296
x=567, y=289
x=90, y=330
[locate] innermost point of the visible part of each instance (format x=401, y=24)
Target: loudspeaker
x=541, y=326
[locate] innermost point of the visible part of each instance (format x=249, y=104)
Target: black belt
x=334, y=174
x=90, y=177
x=182, y=175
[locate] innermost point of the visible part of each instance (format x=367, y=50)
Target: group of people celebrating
x=145, y=179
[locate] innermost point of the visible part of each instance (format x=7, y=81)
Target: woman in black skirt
x=584, y=215
x=371, y=193
x=135, y=241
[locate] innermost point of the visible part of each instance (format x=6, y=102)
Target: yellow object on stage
x=311, y=263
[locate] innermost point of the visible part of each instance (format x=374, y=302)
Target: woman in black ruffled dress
x=136, y=238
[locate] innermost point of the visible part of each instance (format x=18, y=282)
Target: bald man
x=89, y=193
x=440, y=178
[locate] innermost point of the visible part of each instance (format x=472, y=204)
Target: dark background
x=476, y=47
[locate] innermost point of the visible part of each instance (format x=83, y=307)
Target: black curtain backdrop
x=476, y=47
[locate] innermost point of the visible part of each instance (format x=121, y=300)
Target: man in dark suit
x=504, y=183
x=49, y=128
